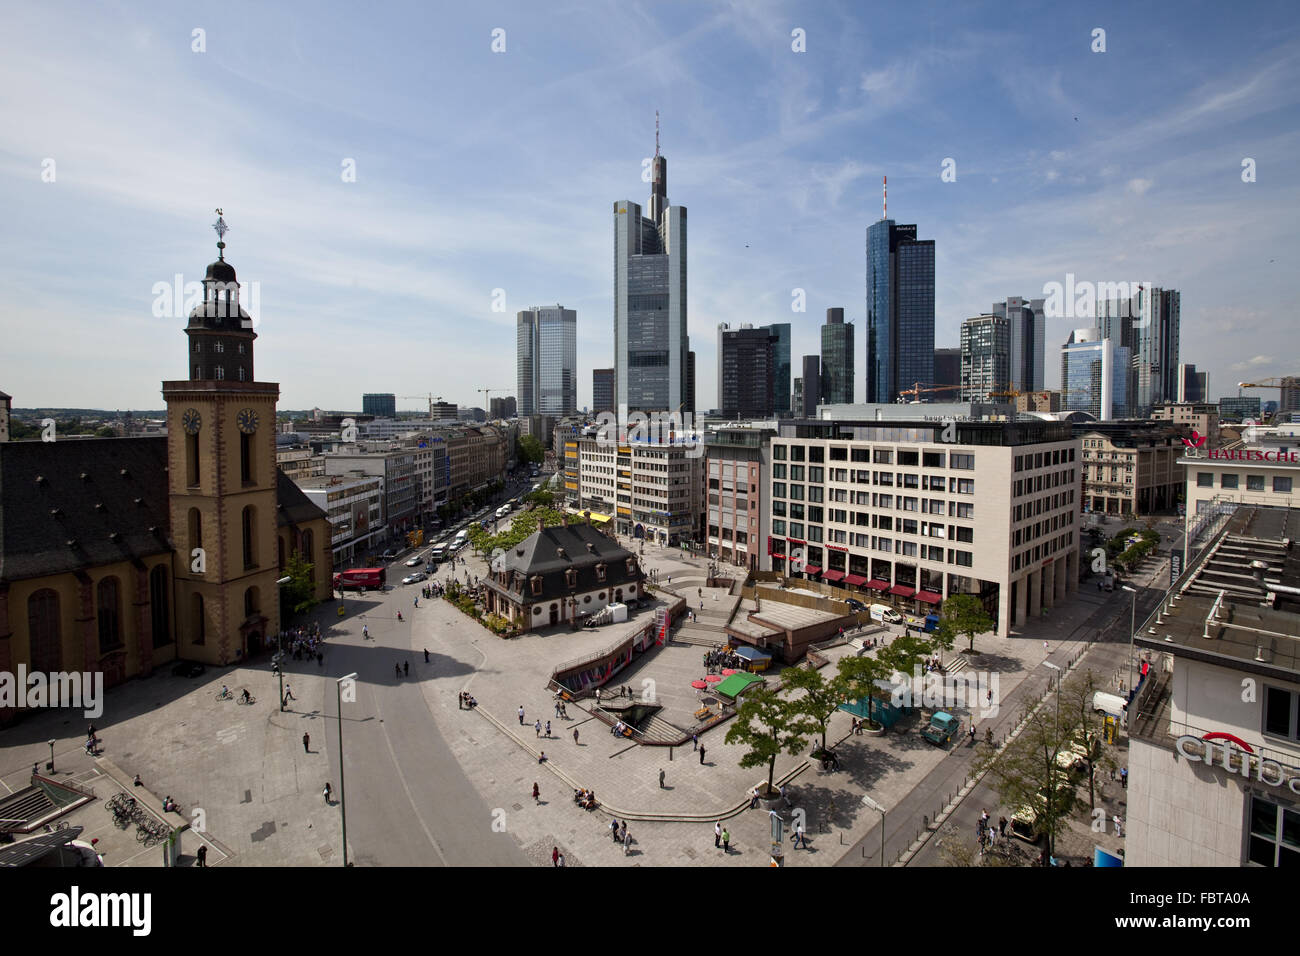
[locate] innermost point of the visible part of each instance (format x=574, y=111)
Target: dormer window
x=571, y=577
x=631, y=566
x=535, y=582
x=601, y=570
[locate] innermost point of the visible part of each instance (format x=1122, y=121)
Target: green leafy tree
x=963, y=614
x=1028, y=774
x=530, y=449
x=858, y=676
x=298, y=593
x=541, y=498
x=767, y=724
x=820, y=698
x=1089, y=726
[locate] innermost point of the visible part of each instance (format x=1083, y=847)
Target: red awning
x=813, y=569
x=796, y=541
x=835, y=548
x=902, y=591
x=830, y=574
x=856, y=580
x=777, y=557
x=929, y=597
x=878, y=585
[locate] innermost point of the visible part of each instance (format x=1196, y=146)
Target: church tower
x=222, y=480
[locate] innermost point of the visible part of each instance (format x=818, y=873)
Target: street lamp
x=343, y=793
x=51, y=743
x=1132, y=629
x=872, y=805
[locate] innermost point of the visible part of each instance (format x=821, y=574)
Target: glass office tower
x=1095, y=376
x=900, y=310
x=547, y=361
x=837, y=359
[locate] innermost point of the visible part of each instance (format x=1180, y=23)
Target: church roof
x=81, y=502
x=558, y=548
x=78, y=502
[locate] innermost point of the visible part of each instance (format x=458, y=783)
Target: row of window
x=1028, y=486
x=1031, y=508
x=1059, y=456
x=1028, y=558
x=1281, y=483
x=879, y=456
x=219, y=373
x=219, y=347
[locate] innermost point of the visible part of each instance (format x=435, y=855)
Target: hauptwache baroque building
x=120, y=555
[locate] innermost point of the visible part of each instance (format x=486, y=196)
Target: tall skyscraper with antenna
x=651, y=346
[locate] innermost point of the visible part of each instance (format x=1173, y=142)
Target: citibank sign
x=1252, y=454
x=1236, y=756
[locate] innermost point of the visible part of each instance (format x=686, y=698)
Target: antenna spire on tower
x=221, y=229
x=656, y=133
x=885, y=196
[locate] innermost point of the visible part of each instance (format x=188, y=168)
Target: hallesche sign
x=1252, y=454
x=1266, y=771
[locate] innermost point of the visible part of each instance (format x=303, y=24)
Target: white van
x=885, y=614
x=461, y=539
x=1104, y=703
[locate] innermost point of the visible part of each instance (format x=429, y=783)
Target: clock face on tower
x=191, y=421
x=247, y=421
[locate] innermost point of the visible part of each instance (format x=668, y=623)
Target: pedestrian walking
x=548, y=730
x=555, y=856
x=575, y=735
x=426, y=655
x=203, y=856
x=1002, y=826
x=365, y=632
x=990, y=696
x=613, y=830
x=701, y=756
x=972, y=733
x=521, y=715
x=398, y=668
x=627, y=838
x=327, y=792
x=406, y=668
x=1123, y=777
x=726, y=840
x=306, y=743
x=537, y=728
x=560, y=861
x=1045, y=650
x=661, y=778
x=717, y=834
x=799, y=843
x=1119, y=825
x=537, y=793
x=288, y=693
x=695, y=742
x=753, y=798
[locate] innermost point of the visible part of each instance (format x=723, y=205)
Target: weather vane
x=221, y=228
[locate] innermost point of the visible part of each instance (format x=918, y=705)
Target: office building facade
x=810, y=395
x=1193, y=386
x=602, y=390
x=782, y=383
x=985, y=357
x=1027, y=344
x=546, y=373
x=1094, y=377
x=900, y=310
x=947, y=371
x=651, y=345
x=837, y=359
x=1148, y=324
x=746, y=372
x=1236, y=408
x=380, y=405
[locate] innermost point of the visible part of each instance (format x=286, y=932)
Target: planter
x=878, y=731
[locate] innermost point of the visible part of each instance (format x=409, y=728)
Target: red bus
x=354, y=579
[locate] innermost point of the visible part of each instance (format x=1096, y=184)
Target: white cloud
x=1138, y=186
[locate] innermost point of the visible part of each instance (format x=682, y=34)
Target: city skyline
x=413, y=250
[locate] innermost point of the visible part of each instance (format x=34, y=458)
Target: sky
x=485, y=178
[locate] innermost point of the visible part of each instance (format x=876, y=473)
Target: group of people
x=620, y=834
x=721, y=657
x=987, y=832
x=304, y=641
x=467, y=701
x=430, y=591
x=585, y=798
x=932, y=665
x=618, y=729
x=92, y=741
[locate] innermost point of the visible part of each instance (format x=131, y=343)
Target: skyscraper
x=746, y=371
x=547, y=361
x=1193, y=386
x=811, y=392
x=837, y=359
x=651, y=345
x=985, y=357
x=1289, y=402
x=947, y=371
x=1026, y=323
x=1093, y=376
x=602, y=390
x=1148, y=325
x=781, y=381
x=900, y=310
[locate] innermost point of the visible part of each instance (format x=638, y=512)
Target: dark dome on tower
x=221, y=271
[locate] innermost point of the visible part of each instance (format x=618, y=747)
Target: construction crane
x=487, y=397
x=917, y=390
x=1271, y=383
x=430, y=396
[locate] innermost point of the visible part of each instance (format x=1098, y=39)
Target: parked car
x=415, y=578
x=855, y=604
x=389, y=555
x=943, y=727
x=188, y=669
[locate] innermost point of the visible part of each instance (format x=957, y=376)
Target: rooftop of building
x=323, y=482
x=1239, y=606
x=929, y=429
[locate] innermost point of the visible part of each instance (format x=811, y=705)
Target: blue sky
x=478, y=171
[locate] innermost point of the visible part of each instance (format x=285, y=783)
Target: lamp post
x=279, y=647
x=343, y=793
x=872, y=805
x=51, y=742
x=1132, y=628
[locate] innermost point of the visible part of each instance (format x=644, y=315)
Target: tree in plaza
x=298, y=593
x=963, y=614
x=1027, y=773
x=530, y=449
x=820, y=698
x=858, y=676
x=1076, y=700
x=541, y=498
x=768, y=724
x=905, y=654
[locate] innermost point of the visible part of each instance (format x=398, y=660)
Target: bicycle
x=226, y=695
x=249, y=700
